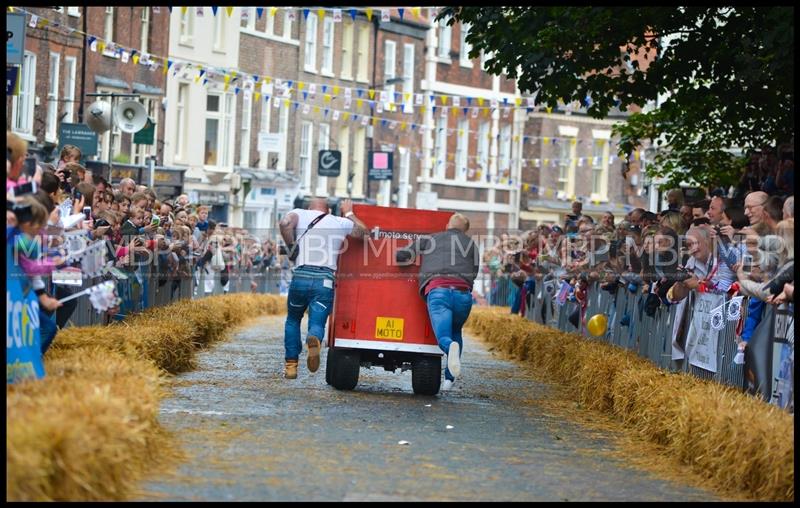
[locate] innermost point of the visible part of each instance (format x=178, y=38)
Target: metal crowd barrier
x=502, y=291
x=631, y=328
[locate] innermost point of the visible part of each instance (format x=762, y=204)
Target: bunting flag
x=359, y=91
x=321, y=14
x=415, y=11
x=345, y=115
x=372, y=94
x=166, y=65
x=337, y=15
x=444, y=100
x=335, y=89
x=400, y=11
x=385, y=16
x=353, y=14
x=184, y=9
x=259, y=11
x=369, y=13
x=305, y=13
x=101, y=46
x=257, y=96
x=480, y=101
x=326, y=98
x=359, y=103
x=272, y=11
x=135, y=59
x=305, y=95
x=229, y=10
x=213, y=10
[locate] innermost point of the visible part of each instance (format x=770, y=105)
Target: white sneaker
x=447, y=386
x=453, y=360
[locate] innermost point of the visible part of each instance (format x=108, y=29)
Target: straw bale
x=737, y=442
x=89, y=430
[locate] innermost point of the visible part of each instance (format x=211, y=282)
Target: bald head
x=754, y=206
x=458, y=221
x=319, y=204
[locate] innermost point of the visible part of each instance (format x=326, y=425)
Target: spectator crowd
x=56, y=212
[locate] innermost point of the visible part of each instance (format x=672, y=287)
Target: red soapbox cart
x=379, y=318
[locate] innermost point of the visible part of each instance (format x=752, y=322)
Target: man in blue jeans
x=318, y=237
x=450, y=262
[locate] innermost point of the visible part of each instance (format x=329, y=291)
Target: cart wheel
x=426, y=375
x=329, y=365
x=345, y=366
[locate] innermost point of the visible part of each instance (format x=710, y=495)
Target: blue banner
x=23, y=345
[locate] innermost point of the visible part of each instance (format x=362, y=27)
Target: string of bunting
x=109, y=48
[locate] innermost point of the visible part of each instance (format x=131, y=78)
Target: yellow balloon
x=597, y=325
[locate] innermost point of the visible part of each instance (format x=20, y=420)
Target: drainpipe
x=83, y=65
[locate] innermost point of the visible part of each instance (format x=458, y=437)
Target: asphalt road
x=251, y=435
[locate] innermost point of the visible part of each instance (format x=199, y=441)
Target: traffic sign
x=330, y=163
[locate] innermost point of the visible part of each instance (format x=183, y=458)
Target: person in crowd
x=314, y=273
x=788, y=208
x=448, y=271
x=572, y=218
x=127, y=186
x=607, y=220
x=754, y=210
x=773, y=212
x=674, y=200
x=708, y=274
x=687, y=214
x=700, y=209
x=716, y=207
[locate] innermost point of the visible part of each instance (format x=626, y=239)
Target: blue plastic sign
x=23, y=345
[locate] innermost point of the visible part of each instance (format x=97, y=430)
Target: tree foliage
x=725, y=74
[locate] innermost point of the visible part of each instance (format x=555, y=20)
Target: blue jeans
x=449, y=310
x=306, y=293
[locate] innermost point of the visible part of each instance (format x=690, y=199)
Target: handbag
x=294, y=249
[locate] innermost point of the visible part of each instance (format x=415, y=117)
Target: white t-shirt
x=323, y=244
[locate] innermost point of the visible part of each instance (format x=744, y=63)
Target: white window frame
x=344, y=147
x=328, y=35
x=465, y=47
x=441, y=147
x=565, y=165
x=227, y=133
x=247, y=120
x=71, y=67
x=51, y=130
x=145, y=44
x=408, y=78
x=444, y=36
x=347, y=50
x=283, y=128
x=403, y=187
x=362, y=69
x=181, y=110
x=22, y=105
x=264, y=126
x=186, y=28
x=323, y=143
x=74, y=12
x=287, y=25
x=310, y=44
x=462, y=150
x=389, y=66
x=602, y=139
x=504, y=159
x=108, y=25
x=483, y=147
x=359, y=162
x=306, y=140
x=218, y=45
x=219, y=117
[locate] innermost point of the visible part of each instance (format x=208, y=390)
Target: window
x=462, y=149
x=22, y=104
x=389, y=59
x=441, y=147
x=347, y=50
x=266, y=118
x=108, y=33
x=505, y=151
x=248, y=18
x=227, y=130
x=483, y=148
x=247, y=112
x=443, y=48
x=358, y=162
x=322, y=144
x=145, y=29
x=219, y=32
x=213, y=119
x=283, y=129
x=305, y=156
x=465, y=47
x=327, y=45
x=74, y=11
x=563, y=165
x=311, y=43
x=181, y=111
x=287, y=24
x=344, y=147
x=408, y=77
x=70, y=64
x=52, y=98
x=599, y=162
x=187, y=27
x=363, y=51
x=250, y=220
x=402, y=180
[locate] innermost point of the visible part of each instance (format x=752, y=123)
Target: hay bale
x=89, y=430
x=737, y=442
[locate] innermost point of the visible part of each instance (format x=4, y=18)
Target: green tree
x=725, y=74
